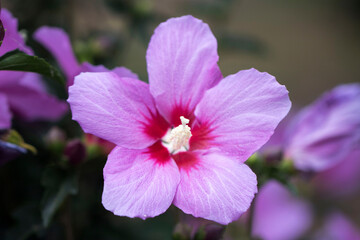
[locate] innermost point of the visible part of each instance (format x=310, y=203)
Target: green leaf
x=59, y=185
x=19, y=61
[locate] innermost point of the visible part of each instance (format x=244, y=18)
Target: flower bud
x=75, y=151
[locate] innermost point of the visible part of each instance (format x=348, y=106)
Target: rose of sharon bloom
x=183, y=138
x=324, y=133
x=278, y=215
x=337, y=227
x=59, y=44
x=22, y=93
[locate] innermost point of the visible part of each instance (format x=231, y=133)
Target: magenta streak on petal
x=179, y=110
x=202, y=137
x=186, y=160
x=154, y=125
x=158, y=153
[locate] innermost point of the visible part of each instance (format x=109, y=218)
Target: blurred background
x=309, y=45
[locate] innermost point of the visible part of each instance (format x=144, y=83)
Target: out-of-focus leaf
x=15, y=138
x=59, y=184
x=19, y=61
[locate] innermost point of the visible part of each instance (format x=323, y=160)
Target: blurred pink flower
x=338, y=227
x=324, y=133
x=183, y=138
x=21, y=93
x=278, y=215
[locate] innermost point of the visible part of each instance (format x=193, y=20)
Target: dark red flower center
x=201, y=138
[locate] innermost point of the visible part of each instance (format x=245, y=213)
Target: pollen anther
x=180, y=136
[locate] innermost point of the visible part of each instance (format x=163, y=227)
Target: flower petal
x=31, y=104
x=120, y=110
x=12, y=40
x=33, y=81
x=325, y=132
x=278, y=215
x=5, y=115
x=58, y=44
x=242, y=112
x=182, y=63
x=125, y=72
x=137, y=184
x=340, y=180
x=215, y=187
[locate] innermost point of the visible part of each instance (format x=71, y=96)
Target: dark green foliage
x=19, y=61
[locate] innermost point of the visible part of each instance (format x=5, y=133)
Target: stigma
x=178, y=138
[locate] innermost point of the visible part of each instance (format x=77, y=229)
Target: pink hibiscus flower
x=183, y=138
